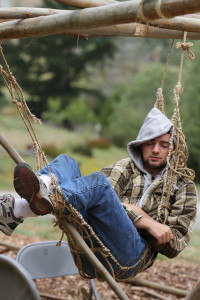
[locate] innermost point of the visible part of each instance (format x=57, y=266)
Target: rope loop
x=186, y=46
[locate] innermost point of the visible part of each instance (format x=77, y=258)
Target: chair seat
x=15, y=282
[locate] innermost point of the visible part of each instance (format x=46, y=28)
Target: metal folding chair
x=45, y=259
x=16, y=283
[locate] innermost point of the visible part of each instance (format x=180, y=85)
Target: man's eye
x=165, y=146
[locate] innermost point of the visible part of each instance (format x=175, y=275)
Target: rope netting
x=176, y=165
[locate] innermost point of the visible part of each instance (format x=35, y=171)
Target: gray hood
x=155, y=125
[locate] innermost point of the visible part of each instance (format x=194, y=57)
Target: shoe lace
x=4, y=198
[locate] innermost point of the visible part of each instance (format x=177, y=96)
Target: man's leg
x=35, y=189
x=94, y=195
x=106, y=215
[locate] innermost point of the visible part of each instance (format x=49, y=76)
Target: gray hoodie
x=155, y=125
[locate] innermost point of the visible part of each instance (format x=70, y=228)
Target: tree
x=55, y=67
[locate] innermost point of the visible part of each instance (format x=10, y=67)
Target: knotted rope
x=186, y=46
x=160, y=98
x=178, y=152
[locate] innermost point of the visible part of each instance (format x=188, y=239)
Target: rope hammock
x=176, y=165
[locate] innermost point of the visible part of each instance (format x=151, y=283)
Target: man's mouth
x=154, y=158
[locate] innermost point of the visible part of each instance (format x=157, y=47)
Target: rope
x=160, y=98
x=158, y=9
x=178, y=154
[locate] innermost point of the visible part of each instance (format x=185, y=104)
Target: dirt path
x=176, y=273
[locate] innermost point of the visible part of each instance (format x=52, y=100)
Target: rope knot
x=186, y=46
x=179, y=88
x=18, y=104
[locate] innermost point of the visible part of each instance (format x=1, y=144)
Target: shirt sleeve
x=180, y=220
x=132, y=214
x=117, y=174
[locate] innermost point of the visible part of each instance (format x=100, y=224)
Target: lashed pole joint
x=96, y=17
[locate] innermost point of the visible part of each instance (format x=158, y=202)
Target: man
x=122, y=203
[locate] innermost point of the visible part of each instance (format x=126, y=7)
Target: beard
x=150, y=166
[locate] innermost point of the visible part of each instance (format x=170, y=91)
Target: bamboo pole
x=86, y=3
x=77, y=238
x=187, y=23
x=106, y=15
x=175, y=25
x=27, y=12
x=133, y=30
x=179, y=23
x=162, y=7
x=32, y=12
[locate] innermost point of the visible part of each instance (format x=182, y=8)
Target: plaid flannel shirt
x=128, y=183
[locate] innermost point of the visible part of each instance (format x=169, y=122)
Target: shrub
x=83, y=149
x=100, y=142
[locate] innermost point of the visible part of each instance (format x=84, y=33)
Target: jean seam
x=91, y=188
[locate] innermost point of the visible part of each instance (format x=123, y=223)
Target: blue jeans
x=94, y=197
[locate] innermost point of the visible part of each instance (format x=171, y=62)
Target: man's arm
x=180, y=220
x=162, y=233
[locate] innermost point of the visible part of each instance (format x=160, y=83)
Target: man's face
x=155, y=154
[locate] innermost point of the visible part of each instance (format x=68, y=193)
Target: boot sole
x=27, y=185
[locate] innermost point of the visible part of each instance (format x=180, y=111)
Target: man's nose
x=156, y=148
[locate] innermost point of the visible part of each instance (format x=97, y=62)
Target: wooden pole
x=11, y=151
x=102, y=16
x=179, y=23
x=27, y=12
x=175, y=25
x=158, y=286
x=75, y=235
x=161, y=8
x=134, y=30
x=93, y=260
x=194, y=293
x=86, y=3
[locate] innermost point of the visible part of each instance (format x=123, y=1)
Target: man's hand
x=162, y=233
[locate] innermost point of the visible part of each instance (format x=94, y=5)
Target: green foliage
x=78, y=112
x=82, y=149
x=190, y=109
x=51, y=68
x=135, y=99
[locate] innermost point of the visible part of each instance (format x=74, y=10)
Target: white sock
x=22, y=209
x=47, y=180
